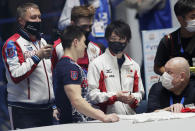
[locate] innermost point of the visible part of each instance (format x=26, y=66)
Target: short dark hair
x=183, y=7
x=69, y=34
x=120, y=28
x=82, y=12
x=21, y=10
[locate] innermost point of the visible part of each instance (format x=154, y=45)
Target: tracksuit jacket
x=105, y=79
x=29, y=78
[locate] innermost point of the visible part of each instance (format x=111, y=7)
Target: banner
x=151, y=40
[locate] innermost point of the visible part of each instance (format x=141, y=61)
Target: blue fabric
x=84, y=2
x=156, y=19
x=68, y=72
x=102, y=13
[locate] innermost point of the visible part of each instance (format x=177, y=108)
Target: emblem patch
x=11, y=49
x=74, y=75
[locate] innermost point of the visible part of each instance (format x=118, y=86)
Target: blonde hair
x=82, y=11
x=21, y=10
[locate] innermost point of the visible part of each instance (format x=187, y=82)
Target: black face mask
x=87, y=33
x=117, y=47
x=33, y=28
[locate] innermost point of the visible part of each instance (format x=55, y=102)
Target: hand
x=122, y=96
x=176, y=107
x=111, y=118
x=56, y=114
x=45, y=52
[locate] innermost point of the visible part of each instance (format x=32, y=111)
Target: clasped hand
x=125, y=97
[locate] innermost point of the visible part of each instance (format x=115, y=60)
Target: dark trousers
x=22, y=118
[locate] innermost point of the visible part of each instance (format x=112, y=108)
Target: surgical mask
x=190, y=26
x=117, y=47
x=33, y=28
x=166, y=80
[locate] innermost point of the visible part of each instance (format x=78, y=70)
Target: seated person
x=175, y=89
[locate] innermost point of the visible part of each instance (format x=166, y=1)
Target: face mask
x=166, y=80
x=33, y=28
x=116, y=47
x=190, y=26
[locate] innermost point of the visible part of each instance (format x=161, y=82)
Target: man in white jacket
x=28, y=71
x=114, y=79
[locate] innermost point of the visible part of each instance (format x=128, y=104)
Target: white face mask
x=190, y=26
x=166, y=80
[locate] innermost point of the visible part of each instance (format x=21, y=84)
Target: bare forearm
x=85, y=108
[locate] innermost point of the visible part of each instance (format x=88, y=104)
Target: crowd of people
x=76, y=78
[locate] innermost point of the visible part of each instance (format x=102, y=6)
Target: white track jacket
x=29, y=82
x=105, y=80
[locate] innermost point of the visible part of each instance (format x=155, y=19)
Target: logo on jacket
x=74, y=75
x=30, y=48
x=108, y=71
x=29, y=54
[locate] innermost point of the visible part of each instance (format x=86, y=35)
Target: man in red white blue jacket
x=114, y=79
x=28, y=71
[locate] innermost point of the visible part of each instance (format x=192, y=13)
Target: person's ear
x=183, y=75
x=21, y=21
x=75, y=42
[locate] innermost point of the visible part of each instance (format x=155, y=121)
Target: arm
x=161, y=57
x=19, y=67
x=57, y=52
x=73, y=92
x=143, y=6
x=97, y=87
x=138, y=89
x=176, y=108
x=153, y=98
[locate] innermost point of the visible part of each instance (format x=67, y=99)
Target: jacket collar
x=128, y=60
x=25, y=35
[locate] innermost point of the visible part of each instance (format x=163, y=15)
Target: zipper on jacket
x=122, y=89
x=45, y=70
x=47, y=79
